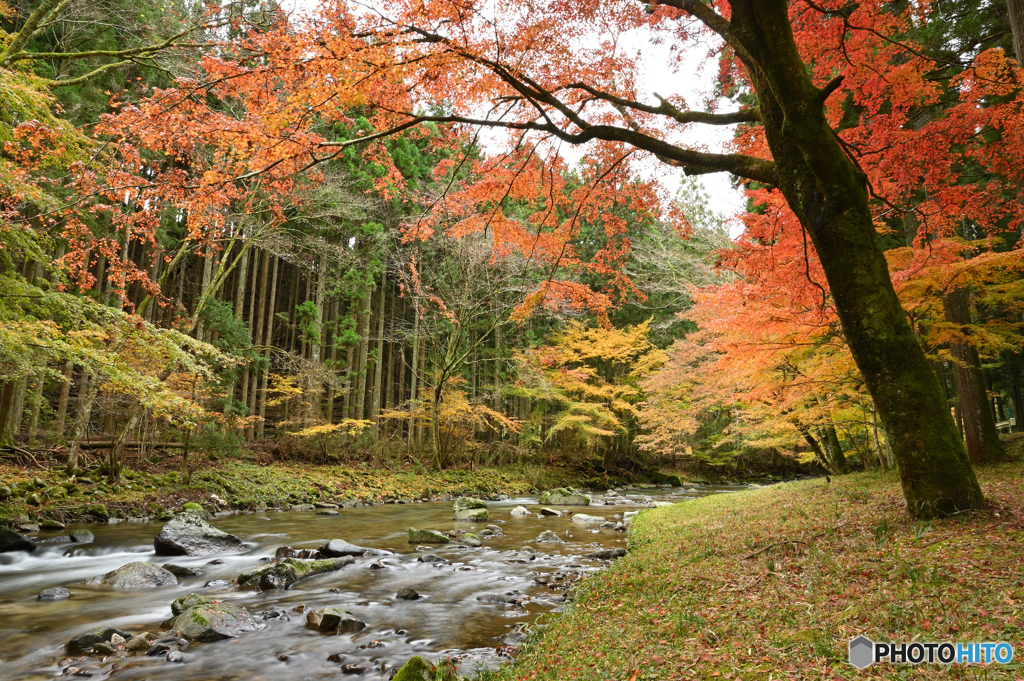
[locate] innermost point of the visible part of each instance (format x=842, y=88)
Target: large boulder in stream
x=12, y=541
x=284, y=573
x=336, y=548
x=547, y=536
x=468, y=508
x=83, y=643
x=564, y=497
x=134, y=577
x=417, y=536
x=416, y=669
x=187, y=534
x=199, y=618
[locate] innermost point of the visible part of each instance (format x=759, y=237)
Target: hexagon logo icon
x=862, y=652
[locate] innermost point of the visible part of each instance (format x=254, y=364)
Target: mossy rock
x=285, y=573
x=417, y=536
x=199, y=618
x=563, y=496
x=660, y=478
x=98, y=511
x=416, y=669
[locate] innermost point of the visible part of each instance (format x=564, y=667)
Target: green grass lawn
x=773, y=583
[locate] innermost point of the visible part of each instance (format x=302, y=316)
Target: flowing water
x=447, y=621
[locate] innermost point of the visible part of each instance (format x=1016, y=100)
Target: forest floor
x=775, y=582
x=31, y=494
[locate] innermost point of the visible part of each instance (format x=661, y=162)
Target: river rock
x=417, y=536
x=584, y=518
x=496, y=599
x=548, y=536
x=607, y=554
x=82, y=536
x=302, y=507
x=55, y=594
x=468, y=508
x=550, y=512
x=327, y=511
x=83, y=643
x=496, y=529
x=518, y=511
x=186, y=534
x=407, y=594
x=138, y=643
x=12, y=541
x=470, y=539
x=50, y=524
x=335, y=620
x=339, y=547
x=416, y=669
x=431, y=558
x=199, y=618
x=283, y=574
x=304, y=554
x=182, y=571
x=564, y=497
x=324, y=504
x=134, y=576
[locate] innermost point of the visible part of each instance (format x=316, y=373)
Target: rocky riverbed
x=300, y=594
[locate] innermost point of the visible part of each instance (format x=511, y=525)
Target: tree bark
x=378, y=365
x=1016, y=12
x=980, y=431
x=87, y=391
x=267, y=344
x=413, y=377
x=828, y=193
x=62, y=401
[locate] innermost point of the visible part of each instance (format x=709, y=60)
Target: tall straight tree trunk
x=315, y=389
x=87, y=392
x=1012, y=369
x=828, y=193
x=62, y=401
x=1016, y=12
x=413, y=379
x=36, y=406
x=6, y=407
x=364, y=350
x=268, y=342
x=241, y=279
x=331, y=351
x=980, y=431
x=378, y=368
x=261, y=310
x=389, y=381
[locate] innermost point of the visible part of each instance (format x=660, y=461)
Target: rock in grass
x=417, y=536
x=12, y=541
x=547, y=536
x=84, y=643
x=416, y=669
x=335, y=620
x=199, y=618
x=468, y=508
x=56, y=594
x=564, y=497
x=285, y=573
x=186, y=534
x=134, y=576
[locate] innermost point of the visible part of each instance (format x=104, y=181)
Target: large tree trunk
x=979, y=424
x=413, y=403
x=828, y=193
x=1016, y=12
x=87, y=392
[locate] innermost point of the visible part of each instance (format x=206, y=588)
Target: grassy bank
x=50, y=493
x=773, y=583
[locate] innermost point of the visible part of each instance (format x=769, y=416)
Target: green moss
x=416, y=669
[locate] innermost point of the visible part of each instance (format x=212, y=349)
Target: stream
x=446, y=621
